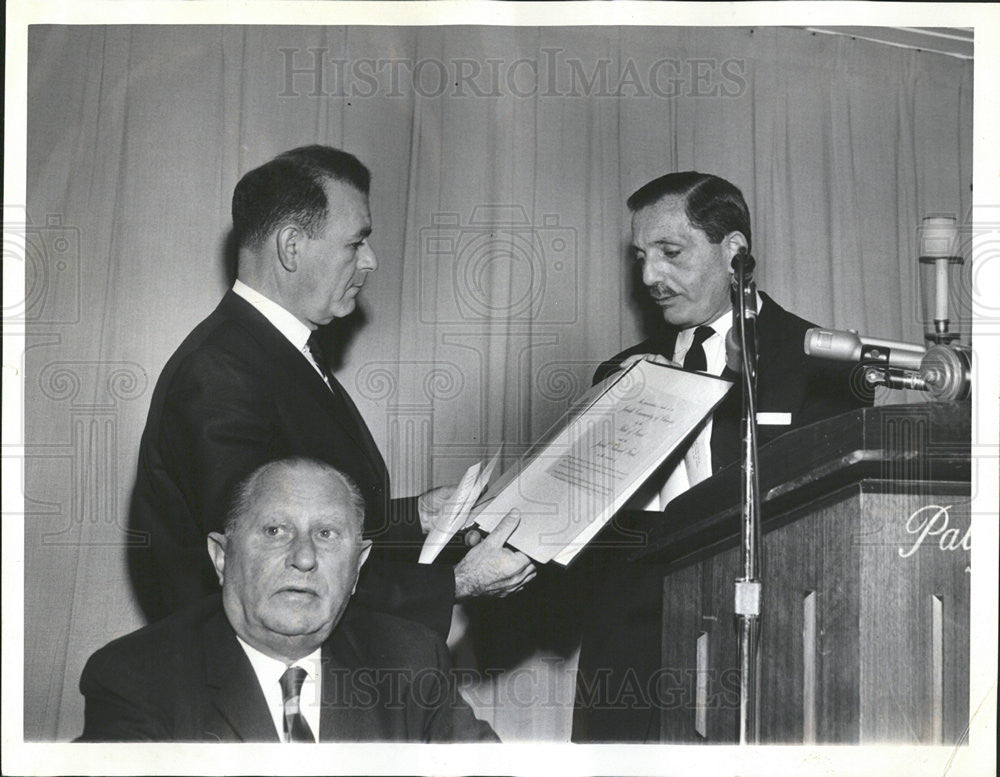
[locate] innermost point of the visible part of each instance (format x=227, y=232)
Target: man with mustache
x=251, y=384
x=280, y=655
x=686, y=229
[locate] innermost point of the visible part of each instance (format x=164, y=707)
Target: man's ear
x=733, y=242
x=288, y=244
x=217, y=552
x=366, y=548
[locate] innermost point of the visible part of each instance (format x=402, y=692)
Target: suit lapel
x=300, y=373
x=340, y=720
x=726, y=441
x=362, y=701
x=667, y=342
x=358, y=429
x=233, y=688
x=330, y=722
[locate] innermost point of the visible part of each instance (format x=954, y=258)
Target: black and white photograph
x=605, y=388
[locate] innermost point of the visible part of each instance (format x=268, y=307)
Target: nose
x=367, y=259
x=303, y=553
x=650, y=273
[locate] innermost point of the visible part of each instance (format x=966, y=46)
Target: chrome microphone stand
x=747, y=598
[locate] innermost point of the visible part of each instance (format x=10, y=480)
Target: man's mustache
x=660, y=291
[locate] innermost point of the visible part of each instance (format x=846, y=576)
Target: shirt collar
x=720, y=325
x=294, y=330
x=269, y=670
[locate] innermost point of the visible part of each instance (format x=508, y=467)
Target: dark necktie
x=342, y=398
x=694, y=359
x=296, y=727
x=317, y=354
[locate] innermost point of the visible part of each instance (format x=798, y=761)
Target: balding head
x=279, y=471
x=290, y=557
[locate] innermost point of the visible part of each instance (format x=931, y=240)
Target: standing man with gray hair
x=251, y=384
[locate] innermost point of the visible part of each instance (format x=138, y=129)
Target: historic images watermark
x=668, y=688
x=318, y=72
x=83, y=399
x=536, y=259
x=49, y=251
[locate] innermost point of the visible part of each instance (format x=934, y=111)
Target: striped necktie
x=296, y=727
x=694, y=359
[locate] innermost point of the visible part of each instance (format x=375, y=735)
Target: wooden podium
x=865, y=623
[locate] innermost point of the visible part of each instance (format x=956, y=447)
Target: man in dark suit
x=250, y=384
x=686, y=229
x=280, y=656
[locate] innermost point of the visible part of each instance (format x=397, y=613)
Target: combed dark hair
x=245, y=492
x=290, y=188
x=713, y=205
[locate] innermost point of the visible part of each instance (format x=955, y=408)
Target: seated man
x=280, y=655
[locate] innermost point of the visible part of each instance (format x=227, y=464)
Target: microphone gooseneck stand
x=747, y=597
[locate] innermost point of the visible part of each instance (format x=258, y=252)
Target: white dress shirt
x=269, y=671
x=293, y=330
x=696, y=465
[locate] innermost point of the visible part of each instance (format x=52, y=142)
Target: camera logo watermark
x=497, y=263
x=315, y=72
x=49, y=252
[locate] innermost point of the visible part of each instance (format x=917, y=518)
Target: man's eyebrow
x=363, y=232
x=661, y=243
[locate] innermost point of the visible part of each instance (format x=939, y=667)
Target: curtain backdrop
x=501, y=160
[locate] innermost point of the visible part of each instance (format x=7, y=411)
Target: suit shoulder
x=829, y=387
x=783, y=317
x=220, y=357
x=165, y=643
x=782, y=332
x=388, y=640
x=218, y=336
x=649, y=345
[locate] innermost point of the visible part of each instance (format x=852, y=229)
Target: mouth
x=298, y=592
x=663, y=299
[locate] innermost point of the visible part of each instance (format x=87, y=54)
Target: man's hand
x=432, y=505
x=490, y=569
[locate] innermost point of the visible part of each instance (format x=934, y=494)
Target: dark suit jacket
x=621, y=607
x=235, y=395
x=187, y=679
x=787, y=381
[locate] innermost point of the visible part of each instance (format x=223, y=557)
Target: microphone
x=743, y=265
x=743, y=257
x=947, y=372
x=849, y=346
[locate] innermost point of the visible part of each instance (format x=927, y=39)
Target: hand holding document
x=455, y=513
x=491, y=569
x=573, y=481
